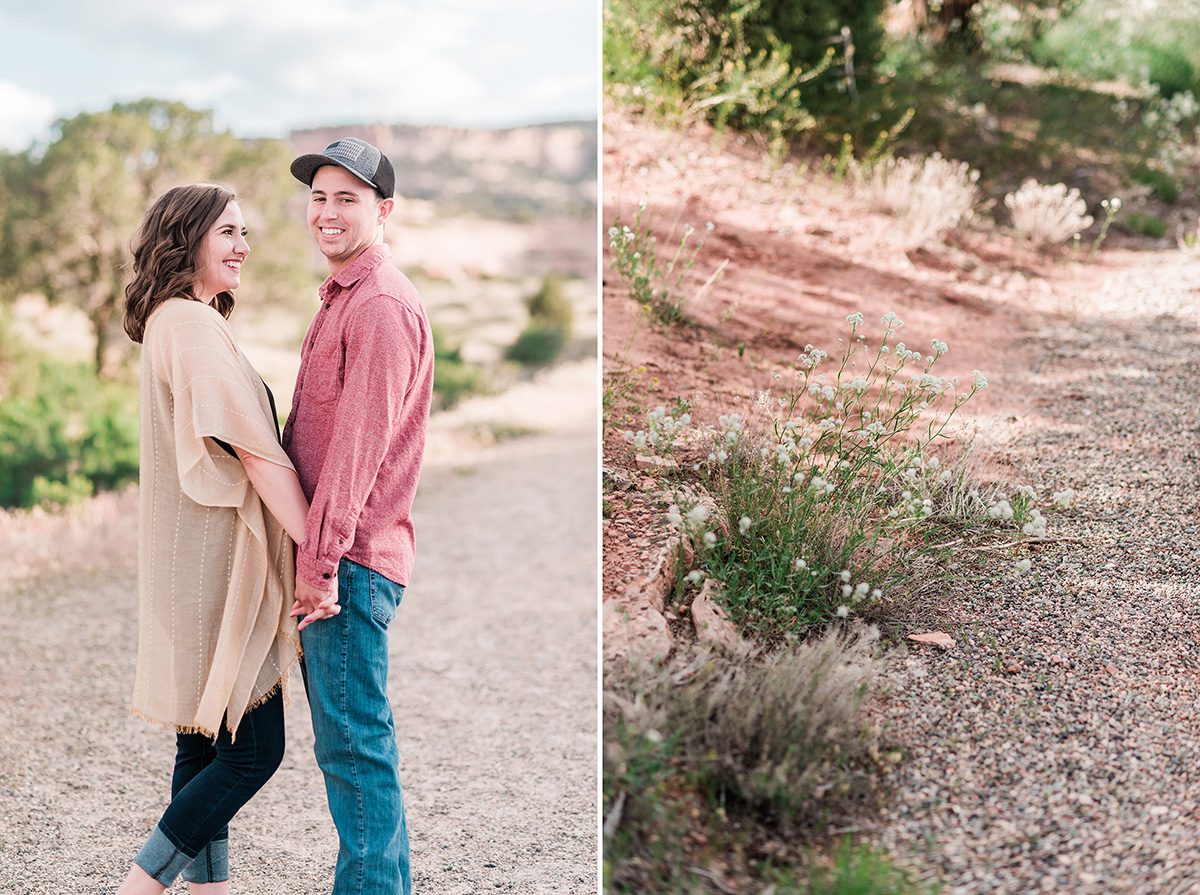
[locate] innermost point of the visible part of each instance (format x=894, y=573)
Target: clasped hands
x=313, y=603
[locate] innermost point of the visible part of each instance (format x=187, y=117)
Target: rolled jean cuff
x=161, y=859
x=211, y=865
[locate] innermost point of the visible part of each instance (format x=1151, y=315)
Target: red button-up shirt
x=356, y=431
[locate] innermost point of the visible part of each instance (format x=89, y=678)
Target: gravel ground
x=493, y=680
x=1056, y=748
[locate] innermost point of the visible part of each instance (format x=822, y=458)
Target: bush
x=828, y=500
x=1161, y=184
x=806, y=29
x=929, y=196
x=1047, y=214
x=1144, y=225
x=64, y=433
x=538, y=344
x=779, y=735
x=551, y=305
x=856, y=870
x=453, y=378
x=685, y=62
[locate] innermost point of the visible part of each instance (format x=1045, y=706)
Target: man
x=356, y=434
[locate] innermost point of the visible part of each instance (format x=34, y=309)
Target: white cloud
x=24, y=116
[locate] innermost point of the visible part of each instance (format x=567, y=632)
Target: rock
x=653, y=587
x=934, y=638
x=637, y=634
x=713, y=626
x=646, y=461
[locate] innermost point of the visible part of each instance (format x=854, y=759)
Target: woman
x=219, y=500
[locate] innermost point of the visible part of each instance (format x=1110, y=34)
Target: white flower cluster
x=913, y=505
x=939, y=347
x=1001, y=509
x=662, y=431
x=1036, y=526
x=855, y=320
x=891, y=321
x=980, y=380
x=620, y=237
x=930, y=383
x=1063, y=499
x=820, y=390
x=817, y=484
x=854, y=594
x=811, y=356
x=904, y=354
x=731, y=425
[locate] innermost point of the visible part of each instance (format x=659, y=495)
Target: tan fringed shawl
x=215, y=569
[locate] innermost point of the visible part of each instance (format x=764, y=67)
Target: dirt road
x=1055, y=747
x=493, y=680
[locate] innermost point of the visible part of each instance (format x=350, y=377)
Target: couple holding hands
x=257, y=549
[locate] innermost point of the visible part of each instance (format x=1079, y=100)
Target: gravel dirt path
x=493, y=681
x=1056, y=748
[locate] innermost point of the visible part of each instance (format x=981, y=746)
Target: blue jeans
x=212, y=781
x=345, y=676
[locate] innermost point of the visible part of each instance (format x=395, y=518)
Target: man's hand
x=313, y=603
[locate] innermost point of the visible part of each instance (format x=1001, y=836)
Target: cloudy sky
x=266, y=66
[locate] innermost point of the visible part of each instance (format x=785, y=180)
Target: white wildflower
x=1063, y=499
x=843, y=611
x=710, y=539
x=744, y=524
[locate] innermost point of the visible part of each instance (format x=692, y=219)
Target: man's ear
x=385, y=208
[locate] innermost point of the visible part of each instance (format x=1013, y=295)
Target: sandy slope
x=493, y=680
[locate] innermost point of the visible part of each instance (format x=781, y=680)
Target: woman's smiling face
x=219, y=260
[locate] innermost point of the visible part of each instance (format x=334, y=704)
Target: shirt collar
x=355, y=270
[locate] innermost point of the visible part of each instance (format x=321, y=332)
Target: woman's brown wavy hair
x=165, y=250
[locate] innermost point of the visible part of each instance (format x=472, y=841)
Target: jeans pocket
x=385, y=597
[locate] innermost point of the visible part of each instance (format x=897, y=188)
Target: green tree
x=75, y=207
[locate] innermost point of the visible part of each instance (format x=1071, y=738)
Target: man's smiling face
x=344, y=215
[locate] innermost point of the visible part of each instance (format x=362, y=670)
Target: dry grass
x=99, y=534
x=780, y=735
x=927, y=195
x=1047, y=214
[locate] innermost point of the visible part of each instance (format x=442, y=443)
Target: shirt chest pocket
x=325, y=372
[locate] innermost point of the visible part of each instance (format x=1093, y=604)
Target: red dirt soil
x=802, y=254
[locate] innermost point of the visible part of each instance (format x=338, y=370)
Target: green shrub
x=551, y=305
x=683, y=62
x=64, y=433
x=1144, y=225
x=856, y=870
x=1167, y=66
x=1161, y=184
x=807, y=29
x=453, y=378
x=538, y=344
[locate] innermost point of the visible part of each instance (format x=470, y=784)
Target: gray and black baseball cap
x=358, y=157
